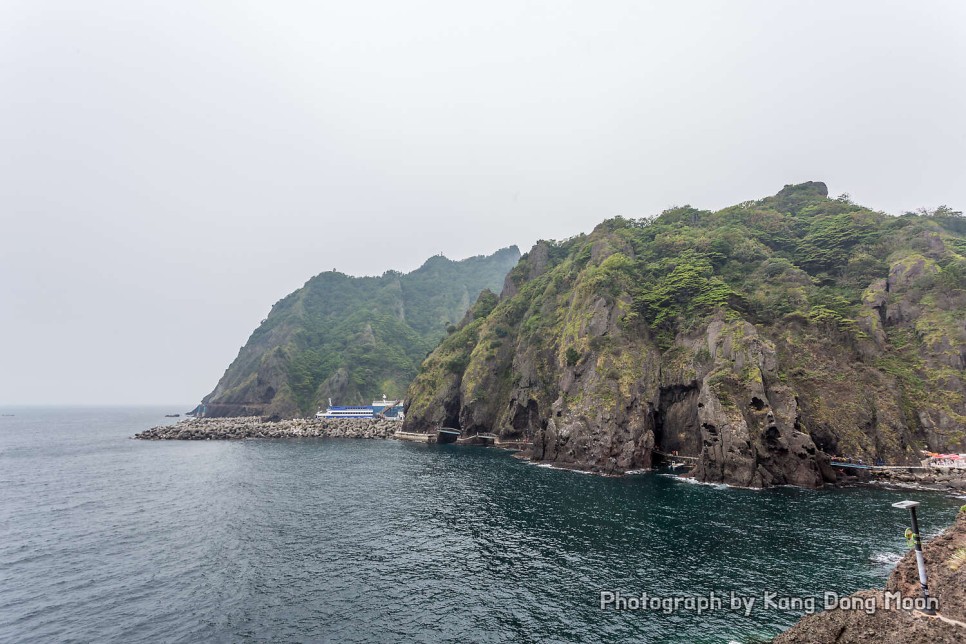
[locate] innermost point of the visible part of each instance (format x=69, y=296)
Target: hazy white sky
x=168, y=170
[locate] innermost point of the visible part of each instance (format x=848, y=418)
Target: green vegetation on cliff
x=749, y=337
x=352, y=338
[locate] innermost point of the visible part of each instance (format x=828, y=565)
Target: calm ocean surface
x=106, y=539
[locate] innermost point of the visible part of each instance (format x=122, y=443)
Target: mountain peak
x=815, y=188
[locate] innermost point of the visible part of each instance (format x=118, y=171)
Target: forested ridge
x=351, y=338
x=759, y=337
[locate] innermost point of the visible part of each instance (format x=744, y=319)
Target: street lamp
x=916, y=540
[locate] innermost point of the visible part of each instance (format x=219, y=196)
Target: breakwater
x=253, y=427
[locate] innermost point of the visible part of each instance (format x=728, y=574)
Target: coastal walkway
x=934, y=462
x=415, y=437
x=678, y=456
x=477, y=439
x=878, y=468
x=487, y=438
x=842, y=464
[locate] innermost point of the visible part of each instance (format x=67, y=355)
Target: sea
x=108, y=539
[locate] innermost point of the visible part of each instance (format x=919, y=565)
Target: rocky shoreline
x=247, y=427
x=873, y=617
x=940, y=479
x=238, y=428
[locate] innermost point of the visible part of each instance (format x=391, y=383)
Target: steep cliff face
x=757, y=339
x=351, y=338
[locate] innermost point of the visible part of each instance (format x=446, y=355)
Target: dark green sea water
x=107, y=539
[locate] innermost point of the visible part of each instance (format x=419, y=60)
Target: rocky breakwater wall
x=254, y=427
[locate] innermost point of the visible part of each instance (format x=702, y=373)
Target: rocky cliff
x=351, y=338
x=758, y=339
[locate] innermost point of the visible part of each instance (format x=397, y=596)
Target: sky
x=169, y=170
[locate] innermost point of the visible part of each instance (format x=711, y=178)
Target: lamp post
x=917, y=543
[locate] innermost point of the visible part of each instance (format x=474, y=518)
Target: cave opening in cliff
x=526, y=419
x=451, y=415
x=676, y=426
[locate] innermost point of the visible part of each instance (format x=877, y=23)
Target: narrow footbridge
x=476, y=438
x=678, y=456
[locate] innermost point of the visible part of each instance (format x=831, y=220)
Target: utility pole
x=916, y=541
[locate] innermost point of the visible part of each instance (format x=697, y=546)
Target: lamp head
x=906, y=505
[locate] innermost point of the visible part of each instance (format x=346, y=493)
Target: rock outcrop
x=889, y=623
x=758, y=339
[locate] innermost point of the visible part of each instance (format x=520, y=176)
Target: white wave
x=550, y=466
x=685, y=479
x=885, y=558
